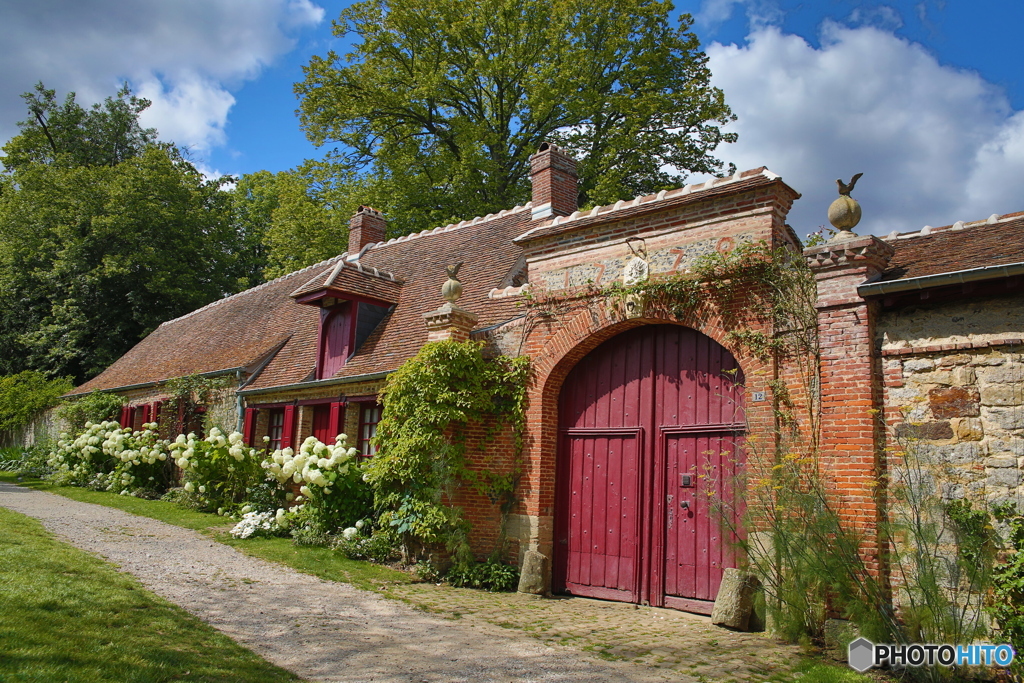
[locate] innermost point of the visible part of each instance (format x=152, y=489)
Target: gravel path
x=321, y=630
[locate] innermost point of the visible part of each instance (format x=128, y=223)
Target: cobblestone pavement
x=683, y=647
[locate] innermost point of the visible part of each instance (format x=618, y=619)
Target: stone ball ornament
x=844, y=213
x=451, y=290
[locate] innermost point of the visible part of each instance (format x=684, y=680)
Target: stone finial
x=452, y=289
x=844, y=212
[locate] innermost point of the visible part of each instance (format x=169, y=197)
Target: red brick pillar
x=851, y=449
x=449, y=322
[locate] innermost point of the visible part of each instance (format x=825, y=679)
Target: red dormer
x=353, y=299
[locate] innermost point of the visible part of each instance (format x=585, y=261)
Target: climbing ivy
x=429, y=404
x=189, y=395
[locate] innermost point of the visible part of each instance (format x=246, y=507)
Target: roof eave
x=941, y=279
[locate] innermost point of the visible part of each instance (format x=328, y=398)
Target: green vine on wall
x=189, y=396
x=429, y=405
x=764, y=296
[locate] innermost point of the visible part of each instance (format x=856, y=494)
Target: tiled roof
x=699, y=192
x=237, y=331
x=996, y=241
x=244, y=329
x=489, y=255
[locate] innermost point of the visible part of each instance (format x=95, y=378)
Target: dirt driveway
x=328, y=631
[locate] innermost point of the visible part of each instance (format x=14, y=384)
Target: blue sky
x=925, y=97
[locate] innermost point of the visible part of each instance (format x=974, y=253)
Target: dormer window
x=353, y=300
x=336, y=338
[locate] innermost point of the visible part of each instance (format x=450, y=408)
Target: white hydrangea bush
x=220, y=468
x=109, y=457
x=332, y=492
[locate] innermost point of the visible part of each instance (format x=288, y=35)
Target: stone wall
x=954, y=395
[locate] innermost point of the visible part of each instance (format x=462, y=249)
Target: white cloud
x=936, y=144
x=760, y=13
x=184, y=55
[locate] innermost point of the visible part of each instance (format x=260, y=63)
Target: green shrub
x=491, y=575
x=220, y=469
x=334, y=495
x=421, y=459
x=378, y=547
x=95, y=407
x=26, y=462
x=24, y=395
x=1007, y=605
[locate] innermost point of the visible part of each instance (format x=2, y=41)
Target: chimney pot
x=555, y=183
x=366, y=226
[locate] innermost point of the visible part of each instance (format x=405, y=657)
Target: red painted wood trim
x=125, y=413
x=689, y=605
x=704, y=429
x=288, y=433
x=249, y=426
x=337, y=417
x=599, y=592
x=342, y=296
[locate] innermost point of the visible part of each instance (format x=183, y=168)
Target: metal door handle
x=685, y=504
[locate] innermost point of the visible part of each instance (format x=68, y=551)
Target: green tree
x=103, y=135
x=95, y=254
x=441, y=104
x=295, y=218
x=253, y=201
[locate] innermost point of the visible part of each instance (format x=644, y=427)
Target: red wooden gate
x=649, y=436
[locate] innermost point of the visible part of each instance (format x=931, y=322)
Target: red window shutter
x=335, y=340
x=155, y=415
x=133, y=411
x=146, y=409
x=288, y=435
x=125, y=417
x=337, y=416
x=249, y=426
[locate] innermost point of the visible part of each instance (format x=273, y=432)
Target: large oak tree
x=441, y=103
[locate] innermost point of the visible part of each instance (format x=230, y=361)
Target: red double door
x=650, y=431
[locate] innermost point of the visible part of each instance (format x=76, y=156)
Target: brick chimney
x=555, y=183
x=366, y=226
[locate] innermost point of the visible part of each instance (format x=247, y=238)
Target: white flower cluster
x=353, y=531
x=315, y=464
x=128, y=448
x=184, y=448
x=256, y=524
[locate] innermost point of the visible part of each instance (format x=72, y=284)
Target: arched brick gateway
x=649, y=423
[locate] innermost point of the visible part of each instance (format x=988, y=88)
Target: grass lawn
x=68, y=616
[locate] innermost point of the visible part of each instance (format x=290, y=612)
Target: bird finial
x=453, y=271
x=846, y=188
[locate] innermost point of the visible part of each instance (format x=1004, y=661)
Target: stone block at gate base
x=533, y=578
x=735, y=600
